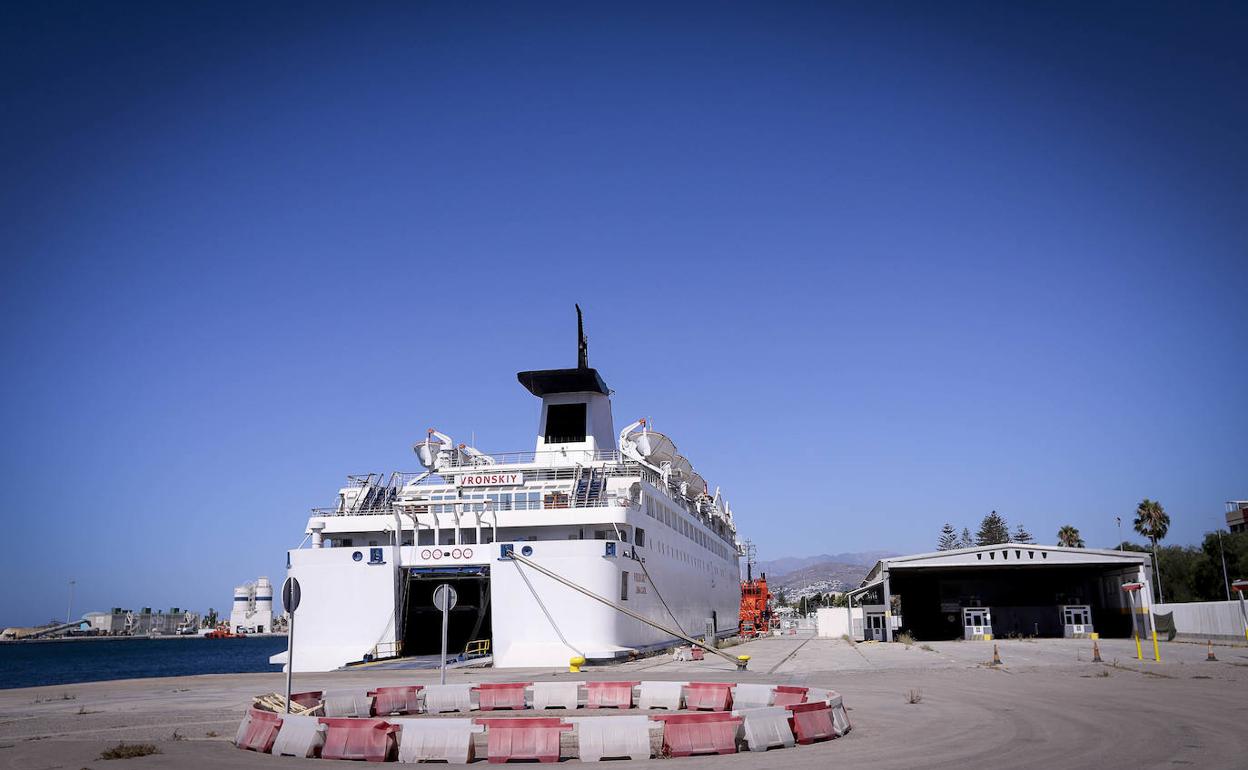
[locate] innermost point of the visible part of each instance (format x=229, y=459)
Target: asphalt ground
x=1047, y=706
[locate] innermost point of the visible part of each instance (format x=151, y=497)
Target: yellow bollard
x=1156, y=649
x=1139, y=653
x=743, y=661
x=574, y=665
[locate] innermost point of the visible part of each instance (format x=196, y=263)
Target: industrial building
x=252, y=612
x=992, y=591
x=145, y=622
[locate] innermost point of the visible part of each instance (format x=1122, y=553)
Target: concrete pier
x=1047, y=706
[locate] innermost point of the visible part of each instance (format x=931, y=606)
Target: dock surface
x=1046, y=706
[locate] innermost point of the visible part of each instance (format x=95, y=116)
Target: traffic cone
x=996, y=656
x=1096, y=652
x=1211, y=656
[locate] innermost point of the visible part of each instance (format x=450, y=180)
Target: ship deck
x=1047, y=695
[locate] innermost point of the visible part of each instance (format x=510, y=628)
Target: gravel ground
x=1047, y=706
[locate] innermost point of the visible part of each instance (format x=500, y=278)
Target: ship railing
x=550, y=501
x=532, y=456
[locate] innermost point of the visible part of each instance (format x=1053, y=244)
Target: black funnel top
x=582, y=379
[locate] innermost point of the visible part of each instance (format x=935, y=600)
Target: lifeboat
x=650, y=445
x=696, y=485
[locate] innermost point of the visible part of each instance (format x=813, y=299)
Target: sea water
x=32, y=664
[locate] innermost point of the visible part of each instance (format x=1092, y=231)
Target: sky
x=873, y=267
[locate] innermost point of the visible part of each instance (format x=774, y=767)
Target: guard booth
x=875, y=627
x=1076, y=621
x=977, y=623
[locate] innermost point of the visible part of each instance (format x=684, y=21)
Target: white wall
x=833, y=622
x=1205, y=619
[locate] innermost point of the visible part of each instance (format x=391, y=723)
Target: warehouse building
x=997, y=591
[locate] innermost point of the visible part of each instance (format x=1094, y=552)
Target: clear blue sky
x=873, y=268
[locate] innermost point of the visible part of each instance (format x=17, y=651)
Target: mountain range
x=799, y=576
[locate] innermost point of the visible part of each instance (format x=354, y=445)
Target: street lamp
x=69, y=610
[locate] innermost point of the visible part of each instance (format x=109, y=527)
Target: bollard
x=996, y=656
x=1096, y=652
x=574, y=665
x=742, y=662
x=1211, y=656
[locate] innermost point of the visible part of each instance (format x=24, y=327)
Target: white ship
x=623, y=516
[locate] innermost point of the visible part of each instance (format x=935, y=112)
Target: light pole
x=69, y=610
x=1240, y=587
x=1225, y=578
x=1120, y=540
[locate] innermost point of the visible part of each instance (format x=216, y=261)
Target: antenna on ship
x=582, y=345
x=750, y=552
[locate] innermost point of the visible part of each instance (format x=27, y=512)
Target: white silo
x=244, y=603
x=262, y=620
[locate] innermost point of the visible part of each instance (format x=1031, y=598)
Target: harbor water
x=34, y=664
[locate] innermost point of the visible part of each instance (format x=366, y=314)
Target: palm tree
x=1068, y=537
x=1152, y=521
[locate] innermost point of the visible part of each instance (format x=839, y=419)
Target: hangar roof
x=1006, y=555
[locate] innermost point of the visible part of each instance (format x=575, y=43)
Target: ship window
x=640, y=537
x=623, y=586
x=467, y=536
x=424, y=537
x=565, y=423
x=446, y=537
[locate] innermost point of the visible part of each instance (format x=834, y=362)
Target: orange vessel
x=755, y=615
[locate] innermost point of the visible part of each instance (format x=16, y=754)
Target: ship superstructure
x=623, y=515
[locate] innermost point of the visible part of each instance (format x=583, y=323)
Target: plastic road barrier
x=766, y=728
x=660, y=695
x=507, y=695
x=610, y=695
x=307, y=699
x=812, y=722
x=787, y=696
x=424, y=740
x=368, y=739
x=751, y=696
x=348, y=703
x=242, y=728
x=523, y=738
x=816, y=694
x=260, y=731
x=549, y=695
x=688, y=734
x=697, y=653
x=440, y=698
x=396, y=700
x=300, y=736
x=610, y=737
x=708, y=696
x=840, y=717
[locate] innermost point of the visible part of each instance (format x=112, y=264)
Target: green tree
x=1069, y=537
x=948, y=538
x=1152, y=521
x=781, y=598
x=1021, y=535
x=965, y=540
x=992, y=530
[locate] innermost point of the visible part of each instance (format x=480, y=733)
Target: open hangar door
x=469, y=621
x=1024, y=601
x=1024, y=588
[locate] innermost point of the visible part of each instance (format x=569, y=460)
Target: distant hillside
x=803, y=576
x=786, y=565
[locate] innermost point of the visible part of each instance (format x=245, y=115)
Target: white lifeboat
x=696, y=485
x=650, y=445
x=435, y=447
x=680, y=469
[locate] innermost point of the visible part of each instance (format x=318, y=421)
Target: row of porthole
x=438, y=553
x=1005, y=554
